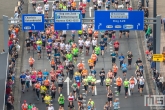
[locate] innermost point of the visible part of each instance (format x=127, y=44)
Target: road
x=134, y=102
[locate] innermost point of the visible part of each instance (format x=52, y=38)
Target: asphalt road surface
x=134, y=102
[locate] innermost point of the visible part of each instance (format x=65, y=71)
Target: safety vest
x=118, y=81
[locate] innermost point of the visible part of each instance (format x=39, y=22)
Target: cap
x=60, y=94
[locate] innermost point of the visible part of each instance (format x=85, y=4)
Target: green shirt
x=85, y=81
x=69, y=57
x=80, y=31
x=60, y=5
x=97, y=50
x=74, y=86
x=126, y=83
x=107, y=81
x=89, y=78
x=61, y=100
x=30, y=107
x=64, y=7
x=91, y=102
x=75, y=51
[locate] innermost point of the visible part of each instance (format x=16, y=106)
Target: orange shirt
x=94, y=57
x=115, y=69
x=132, y=81
x=37, y=86
x=53, y=76
x=91, y=62
x=110, y=74
x=74, y=4
x=80, y=65
x=52, y=63
x=118, y=81
x=90, y=31
x=74, y=45
x=31, y=61
x=24, y=106
x=84, y=72
x=46, y=83
x=96, y=33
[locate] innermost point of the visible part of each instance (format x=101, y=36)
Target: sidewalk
x=160, y=11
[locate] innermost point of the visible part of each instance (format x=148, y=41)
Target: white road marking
x=114, y=83
x=52, y=13
x=67, y=81
x=117, y=98
x=83, y=62
x=83, y=89
x=41, y=1
x=116, y=91
x=111, y=50
x=115, y=87
x=82, y=58
x=110, y=47
x=95, y=90
x=116, y=95
x=90, y=11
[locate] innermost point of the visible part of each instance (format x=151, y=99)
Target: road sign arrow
x=99, y=25
x=67, y=81
x=67, y=26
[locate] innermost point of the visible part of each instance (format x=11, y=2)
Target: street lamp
x=154, y=26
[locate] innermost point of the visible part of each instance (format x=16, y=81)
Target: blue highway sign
x=33, y=22
x=67, y=20
x=119, y=20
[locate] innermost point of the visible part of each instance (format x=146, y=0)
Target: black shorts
x=107, y=85
x=33, y=82
x=126, y=89
x=110, y=35
x=115, y=73
x=92, y=84
x=86, y=87
x=62, y=105
x=125, y=71
x=47, y=87
x=102, y=36
x=99, y=7
x=117, y=49
x=75, y=56
x=31, y=65
x=88, y=48
x=90, y=35
x=126, y=3
x=89, y=83
x=64, y=35
x=39, y=51
x=60, y=85
x=129, y=62
x=48, y=52
x=57, y=1
x=43, y=44
x=141, y=86
x=110, y=99
x=121, y=31
x=53, y=81
x=28, y=45
x=93, y=47
x=90, y=67
x=80, y=47
x=22, y=82
x=103, y=1
x=33, y=4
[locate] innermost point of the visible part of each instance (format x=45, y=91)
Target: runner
x=91, y=63
x=102, y=46
x=47, y=99
x=132, y=82
x=110, y=98
x=71, y=98
x=60, y=81
x=31, y=62
x=108, y=83
x=121, y=59
x=22, y=78
x=75, y=52
x=71, y=71
x=92, y=103
x=102, y=76
x=106, y=106
x=90, y=77
x=113, y=55
x=124, y=69
x=61, y=101
x=49, y=50
x=116, y=47
x=43, y=91
x=75, y=89
x=53, y=90
x=141, y=82
x=87, y=45
x=27, y=43
x=77, y=80
x=94, y=57
x=93, y=84
x=81, y=44
x=115, y=70
x=80, y=102
x=37, y=88
x=126, y=86
x=118, y=84
x=129, y=57
x=24, y=106
x=85, y=83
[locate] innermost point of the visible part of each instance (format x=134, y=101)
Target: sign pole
x=158, y=31
x=5, y=30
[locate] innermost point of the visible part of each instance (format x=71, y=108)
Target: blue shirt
x=40, y=80
x=113, y=54
x=50, y=40
x=22, y=77
x=45, y=74
x=32, y=38
x=77, y=78
x=93, y=72
x=124, y=66
x=38, y=47
x=116, y=105
x=43, y=38
x=121, y=58
x=89, y=107
x=102, y=43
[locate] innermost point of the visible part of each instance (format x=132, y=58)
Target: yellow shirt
x=47, y=99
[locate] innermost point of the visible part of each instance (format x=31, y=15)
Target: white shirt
x=46, y=6
x=39, y=9
x=68, y=47
x=87, y=43
x=99, y=3
x=50, y=108
x=62, y=45
x=54, y=6
x=67, y=62
x=85, y=27
x=80, y=42
x=33, y=1
x=64, y=32
x=94, y=42
x=27, y=78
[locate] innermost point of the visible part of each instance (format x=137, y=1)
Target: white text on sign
x=32, y=18
x=119, y=15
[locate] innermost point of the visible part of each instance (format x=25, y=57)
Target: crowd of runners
x=63, y=52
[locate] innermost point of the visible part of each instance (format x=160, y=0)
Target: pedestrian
x=163, y=20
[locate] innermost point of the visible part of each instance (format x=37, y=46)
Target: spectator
x=161, y=80
x=149, y=31
x=146, y=12
x=163, y=88
x=163, y=23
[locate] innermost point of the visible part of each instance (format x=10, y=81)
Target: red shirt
x=130, y=9
x=10, y=42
